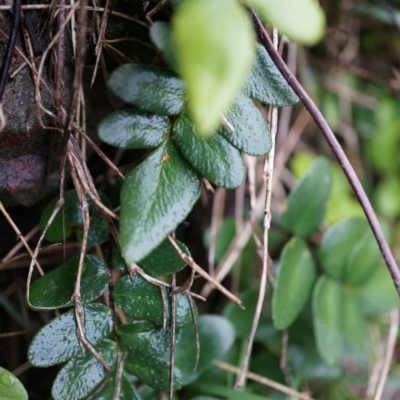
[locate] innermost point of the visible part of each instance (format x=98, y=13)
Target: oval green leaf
x=296, y=277
x=214, y=47
x=143, y=300
x=150, y=88
x=306, y=204
x=349, y=251
x=54, y=290
x=161, y=36
x=80, y=376
x=302, y=21
x=213, y=157
x=166, y=187
x=133, y=129
x=10, y=387
x=327, y=315
x=57, y=342
x=251, y=131
x=266, y=84
x=216, y=335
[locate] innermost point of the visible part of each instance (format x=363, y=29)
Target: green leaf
x=57, y=342
x=127, y=391
x=213, y=157
x=161, y=36
x=69, y=219
x=306, y=204
x=251, y=131
x=214, y=47
x=166, y=187
x=133, y=129
x=10, y=387
x=327, y=314
x=222, y=391
x=266, y=84
x=216, y=335
x=296, y=277
x=142, y=300
x=349, y=251
x=80, y=376
x=153, y=89
x=302, y=21
x=54, y=290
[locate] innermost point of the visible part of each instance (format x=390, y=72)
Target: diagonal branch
x=336, y=148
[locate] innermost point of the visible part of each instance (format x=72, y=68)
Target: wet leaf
x=142, y=300
x=80, y=376
x=57, y=342
x=127, y=391
x=302, y=21
x=251, y=131
x=266, y=84
x=54, y=289
x=213, y=157
x=161, y=36
x=216, y=336
x=327, y=314
x=133, y=129
x=306, y=203
x=214, y=43
x=295, y=279
x=10, y=387
x=149, y=88
x=166, y=187
x=349, y=251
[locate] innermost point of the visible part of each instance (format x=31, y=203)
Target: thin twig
x=336, y=149
x=172, y=339
x=264, y=381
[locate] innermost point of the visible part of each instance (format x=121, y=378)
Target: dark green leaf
x=166, y=187
x=133, y=129
x=216, y=336
x=306, y=204
x=214, y=43
x=214, y=157
x=327, y=314
x=296, y=277
x=266, y=84
x=80, y=376
x=161, y=35
x=57, y=342
x=54, y=290
x=349, y=251
x=142, y=300
x=251, y=131
x=150, y=88
x=10, y=387
x=127, y=391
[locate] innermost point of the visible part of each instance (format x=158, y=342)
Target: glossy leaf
x=266, y=84
x=213, y=157
x=216, y=336
x=302, y=21
x=80, y=376
x=166, y=187
x=161, y=36
x=10, y=387
x=127, y=391
x=251, y=131
x=149, y=88
x=214, y=43
x=142, y=300
x=70, y=220
x=327, y=310
x=349, y=251
x=295, y=279
x=54, y=289
x=306, y=204
x=133, y=129
x=57, y=342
